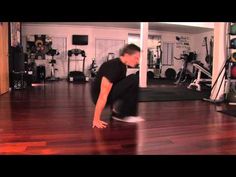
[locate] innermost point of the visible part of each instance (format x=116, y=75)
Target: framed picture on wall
x=15, y=28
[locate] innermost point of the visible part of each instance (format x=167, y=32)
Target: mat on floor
x=171, y=94
x=229, y=112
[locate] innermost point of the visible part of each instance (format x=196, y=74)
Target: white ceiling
x=182, y=27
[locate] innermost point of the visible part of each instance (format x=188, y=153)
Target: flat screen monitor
x=79, y=39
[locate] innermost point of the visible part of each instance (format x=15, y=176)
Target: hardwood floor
x=56, y=119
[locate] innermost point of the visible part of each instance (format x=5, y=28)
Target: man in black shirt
x=112, y=87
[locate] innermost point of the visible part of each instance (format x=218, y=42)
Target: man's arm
x=105, y=89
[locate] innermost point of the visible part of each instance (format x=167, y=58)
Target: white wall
x=171, y=37
x=93, y=33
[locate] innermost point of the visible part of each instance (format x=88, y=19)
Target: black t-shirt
x=114, y=70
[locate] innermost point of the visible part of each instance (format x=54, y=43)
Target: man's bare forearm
x=99, y=107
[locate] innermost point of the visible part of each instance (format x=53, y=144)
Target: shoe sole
x=116, y=118
x=122, y=120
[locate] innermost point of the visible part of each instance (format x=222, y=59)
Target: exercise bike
x=52, y=53
x=184, y=74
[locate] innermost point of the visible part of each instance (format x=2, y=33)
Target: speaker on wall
x=79, y=39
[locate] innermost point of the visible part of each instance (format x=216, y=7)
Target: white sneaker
x=130, y=119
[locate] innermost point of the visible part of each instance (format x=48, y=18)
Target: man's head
x=130, y=55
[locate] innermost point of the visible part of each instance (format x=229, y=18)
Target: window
x=154, y=46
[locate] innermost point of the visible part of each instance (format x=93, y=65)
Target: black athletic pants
x=126, y=93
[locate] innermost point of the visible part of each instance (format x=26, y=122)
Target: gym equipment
x=230, y=92
x=110, y=56
x=93, y=68
x=233, y=29
x=200, y=69
x=76, y=76
x=155, y=60
x=208, y=57
x=226, y=80
x=231, y=97
x=30, y=70
x=41, y=73
x=233, y=72
x=209, y=54
x=184, y=74
x=17, y=73
x=233, y=57
x=19, y=81
x=151, y=56
x=170, y=74
x=52, y=53
x=150, y=74
x=158, y=65
x=225, y=68
x=233, y=43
